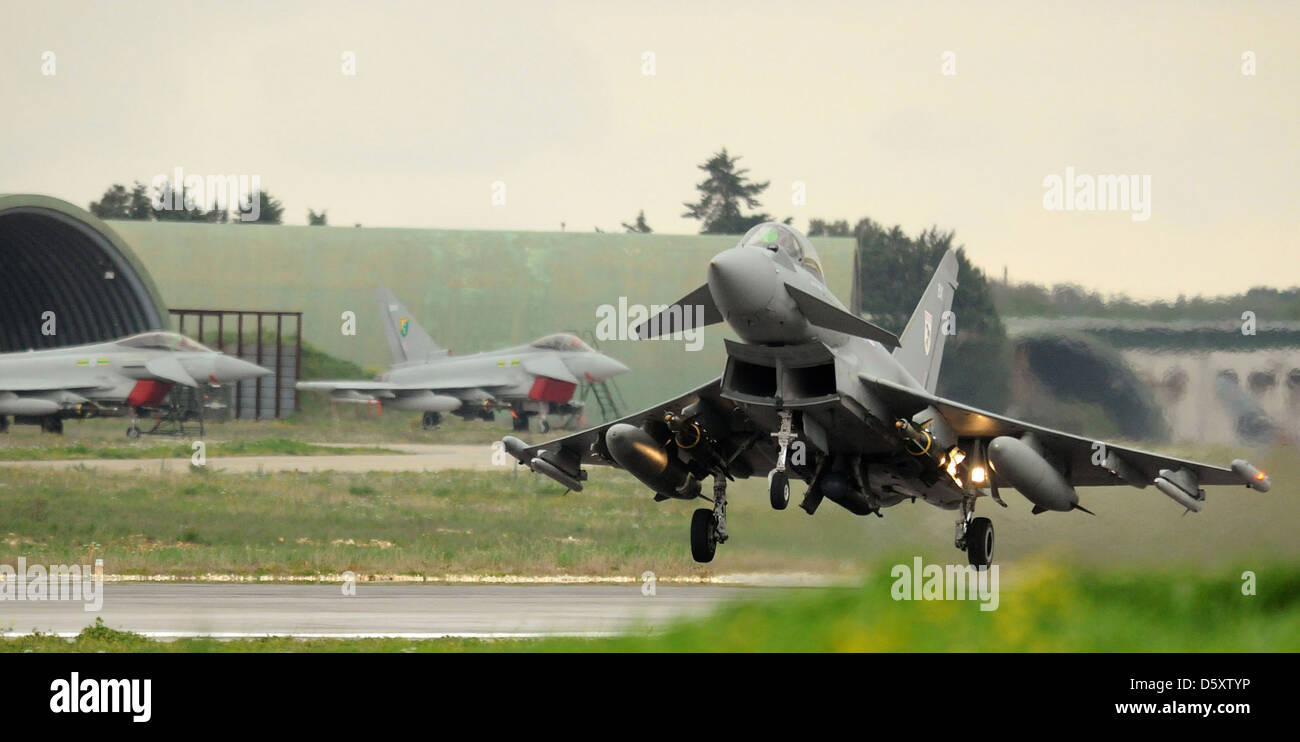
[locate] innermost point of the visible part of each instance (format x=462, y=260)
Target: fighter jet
x=816, y=392
x=529, y=380
x=45, y=386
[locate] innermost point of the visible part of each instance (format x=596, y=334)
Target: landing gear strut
x=783, y=435
x=778, y=482
x=974, y=535
x=709, y=527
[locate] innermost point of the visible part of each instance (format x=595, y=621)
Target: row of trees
x=1070, y=300
x=137, y=202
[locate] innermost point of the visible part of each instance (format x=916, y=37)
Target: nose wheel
x=778, y=490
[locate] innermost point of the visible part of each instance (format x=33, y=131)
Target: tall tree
x=722, y=195
x=639, y=226
x=314, y=219
x=141, y=206
x=114, y=204
x=270, y=210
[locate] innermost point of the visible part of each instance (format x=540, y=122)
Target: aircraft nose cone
x=227, y=369
x=597, y=367
x=742, y=280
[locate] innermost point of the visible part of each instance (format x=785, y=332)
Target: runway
x=414, y=457
x=167, y=611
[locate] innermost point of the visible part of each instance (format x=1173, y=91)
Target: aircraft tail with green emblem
x=407, y=340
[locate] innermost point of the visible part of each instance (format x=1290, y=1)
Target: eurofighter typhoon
x=815, y=391
x=529, y=380
x=46, y=386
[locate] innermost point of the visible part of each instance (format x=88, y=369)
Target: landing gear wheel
x=546, y=425
x=4, y=424
x=778, y=490
x=133, y=431
x=979, y=542
x=52, y=425
x=704, y=538
x=430, y=420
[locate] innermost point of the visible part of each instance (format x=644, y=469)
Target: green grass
x=1049, y=608
x=186, y=523
x=313, y=523
x=344, y=423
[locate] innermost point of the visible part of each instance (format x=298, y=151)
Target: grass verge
x=1051, y=609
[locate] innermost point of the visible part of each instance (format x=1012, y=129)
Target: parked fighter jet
x=815, y=390
x=529, y=380
x=45, y=386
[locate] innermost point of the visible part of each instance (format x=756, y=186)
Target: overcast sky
x=551, y=100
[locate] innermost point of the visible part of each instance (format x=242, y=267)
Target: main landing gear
x=430, y=420
x=521, y=421
x=709, y=527
x=974, y=535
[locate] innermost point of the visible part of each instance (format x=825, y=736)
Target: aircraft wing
x=389, y=389
x=584, y=446
x=1077, y=452
x=43, y=385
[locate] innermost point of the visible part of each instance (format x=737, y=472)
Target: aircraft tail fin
x=921, y=350
x=407, y=340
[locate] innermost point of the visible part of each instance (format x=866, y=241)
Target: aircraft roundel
x=405, y=324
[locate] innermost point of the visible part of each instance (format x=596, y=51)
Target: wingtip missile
x=1255, y=479
x=516, y=448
